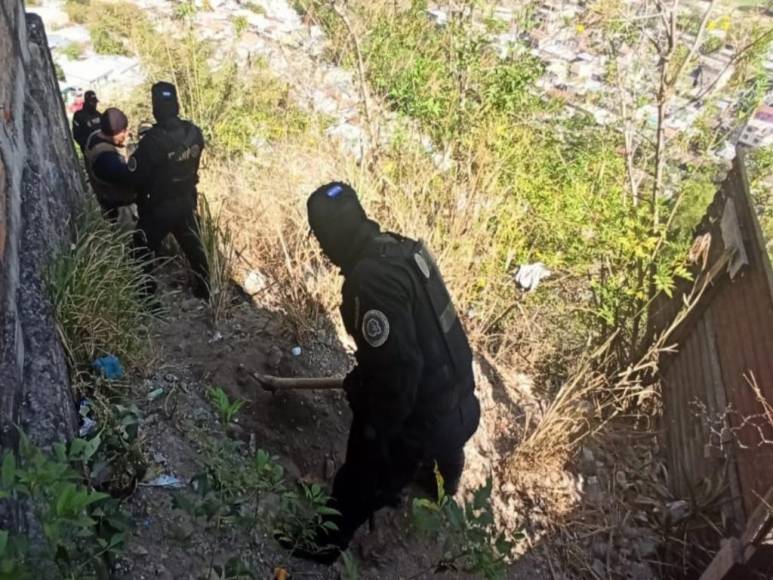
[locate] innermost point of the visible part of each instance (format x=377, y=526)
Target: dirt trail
x=307, y=430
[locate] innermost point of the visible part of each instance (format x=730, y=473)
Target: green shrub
x=467, y=533
x=96, y=290
x=81, y=528
x=73, y=51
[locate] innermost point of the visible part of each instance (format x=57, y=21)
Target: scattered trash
x=87, y=424
x=165, y=480
x=438, y=16
x=155, y=394
x=528, y=276
x=217, y=337
x=109, y=367
x=296, y=351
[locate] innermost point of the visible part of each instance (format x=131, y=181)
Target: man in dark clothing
x=86, y=121
x=165, y=166
x=105, y=155
x=412, y=390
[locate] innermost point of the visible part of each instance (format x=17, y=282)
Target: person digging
x=412, y=389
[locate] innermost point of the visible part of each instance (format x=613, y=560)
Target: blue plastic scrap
x=109, y=367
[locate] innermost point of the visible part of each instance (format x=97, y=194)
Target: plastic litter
x=155, y=394
x=165, y=480
x=109, y=367
x=296, y=351
x=528, y=276
x=87, y=424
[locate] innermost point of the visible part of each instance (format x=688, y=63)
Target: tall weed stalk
x=96, y=290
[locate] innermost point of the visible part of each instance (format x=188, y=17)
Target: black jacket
x=413, y=373
x=84, y=123
x=165, y=165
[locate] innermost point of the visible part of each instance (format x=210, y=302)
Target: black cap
x=90, y=97
x=165, y=104
x=338, y=221
x=113, y=121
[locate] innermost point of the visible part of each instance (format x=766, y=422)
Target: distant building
x=759, y=130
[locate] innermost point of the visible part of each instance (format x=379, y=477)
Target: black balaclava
x=90, y=101
x=165, y=104
x=339, y=223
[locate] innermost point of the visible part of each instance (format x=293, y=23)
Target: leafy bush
x=96, y=290
x=81, y=528
x=236, y=108
x=471, y=542
x=73, y=50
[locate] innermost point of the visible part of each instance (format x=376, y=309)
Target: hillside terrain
x=469, y=126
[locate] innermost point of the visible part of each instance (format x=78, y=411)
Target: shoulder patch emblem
x=132, y=164
x=375, y=328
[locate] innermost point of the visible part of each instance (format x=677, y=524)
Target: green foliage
x=81, y=528
x=304, y=513
x=236, y=108
x=254, y=7
x=225, y=408
x=351, y=570
x=471, y=542
x=448, y=78
x=240, y=24
x=77, y=10
x=232, y=491
x=120, y=461
x=106, y=40
x=73, y=50
x=217, y=238
x=96, y=289
x=711, y=45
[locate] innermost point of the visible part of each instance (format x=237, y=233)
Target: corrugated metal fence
x=717, y=431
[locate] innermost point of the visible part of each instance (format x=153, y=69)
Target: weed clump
x=96, y=291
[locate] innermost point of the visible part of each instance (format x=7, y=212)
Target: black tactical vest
x=447, y=376
x=175, y=178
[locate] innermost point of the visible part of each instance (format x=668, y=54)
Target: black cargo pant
x=182, y=222
x=374, y=473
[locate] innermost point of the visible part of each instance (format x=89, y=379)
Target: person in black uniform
x=105, y=155
x=165, y=169
x=412, y=389
x=86, y=121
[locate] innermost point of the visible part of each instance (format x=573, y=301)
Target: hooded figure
x=165, y=167
x=87, y=120
x=412, y=389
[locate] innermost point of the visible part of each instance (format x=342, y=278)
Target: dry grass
x=95, y=288
x=217, y=239
x=595, y=395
